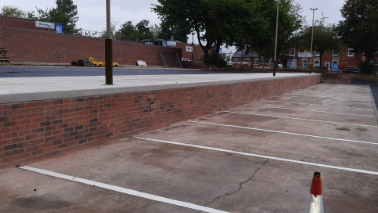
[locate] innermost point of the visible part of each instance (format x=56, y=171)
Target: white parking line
x=369, y=116
x=248, y=113
x=360, y=96
x=288, y=133
x=317, y=104
x=368, y=101
x=123, y=190
x=261, y=156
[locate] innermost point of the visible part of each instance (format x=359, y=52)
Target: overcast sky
x=92, y=13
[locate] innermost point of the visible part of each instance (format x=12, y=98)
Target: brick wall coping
x=14, y=90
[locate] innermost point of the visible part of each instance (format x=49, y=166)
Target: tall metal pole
x=275, y=46
x=312, y=35
x=108, y=48
x=193, y=46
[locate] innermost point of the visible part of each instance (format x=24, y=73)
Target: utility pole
x=193, y=46
x=108, y=48
x=312, y=34
x=275, y=46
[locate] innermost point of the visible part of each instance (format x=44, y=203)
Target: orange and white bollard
x=315, y=201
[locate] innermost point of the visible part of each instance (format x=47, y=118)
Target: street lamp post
x=312, y=35
x=192, y=46
x=275, y=46
x=108, y=48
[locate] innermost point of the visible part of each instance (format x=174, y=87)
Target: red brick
x=37, y=152
x=44, y=145
x=16, y=157
x=49, y=149
x=17, y=140
x=44, y=103
x=9, y=135
x=31, y=104
x=5, y=142
x=37, y=120
x=25, y=132
x=5, y=130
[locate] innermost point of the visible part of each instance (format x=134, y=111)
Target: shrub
x=367, y=68
x=216, y=61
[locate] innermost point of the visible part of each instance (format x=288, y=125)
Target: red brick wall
x=36, y=46
x=38, y=130
x=336, y=78
x=196, y=54
x=21, y=23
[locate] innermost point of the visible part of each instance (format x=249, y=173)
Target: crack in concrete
x=240, y=185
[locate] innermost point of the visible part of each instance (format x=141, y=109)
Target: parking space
x=259, y=157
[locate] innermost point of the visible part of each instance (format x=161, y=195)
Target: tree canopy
x=289, y=25
x=15, y=12
x=247, y=24
x=65, y=13
x=215, y=22
x=178, y=33
x=325, y=38
x=141, y=30
x=359, y=30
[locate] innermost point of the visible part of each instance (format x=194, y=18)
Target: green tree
x=289, y=23
x=325, y=38
x=144, y=31
x=178, y=33
x=359, y=30
x=113, y=32
x=54, y=15
x=129, y=32
x=65, y=13
x=155, y=30
x=12, y=11
x=16, y=12
x=68, y=8
x=215, y=22
x=235, y=22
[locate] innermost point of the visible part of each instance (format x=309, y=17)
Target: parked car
x=351, y=70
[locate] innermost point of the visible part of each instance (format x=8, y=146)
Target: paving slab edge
x=50, y=95
x=373, y=102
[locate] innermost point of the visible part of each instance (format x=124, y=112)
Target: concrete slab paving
x=31, y=192
x=221, y=180
x=362, y=118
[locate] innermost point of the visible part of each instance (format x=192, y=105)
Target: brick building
x=251, y=59
x=298, y=58
x=193, y=52
x=30, y=41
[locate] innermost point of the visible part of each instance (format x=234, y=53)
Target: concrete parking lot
x=259, y=157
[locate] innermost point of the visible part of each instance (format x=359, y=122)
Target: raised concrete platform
x=15, y=90
x=45, y=117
